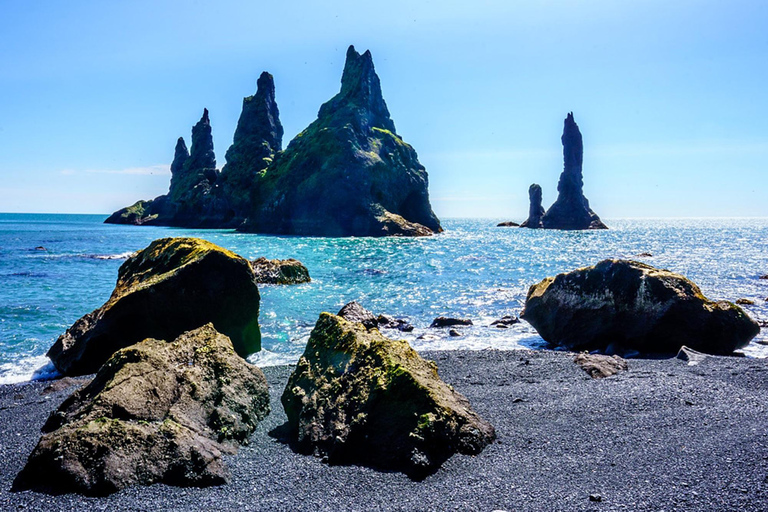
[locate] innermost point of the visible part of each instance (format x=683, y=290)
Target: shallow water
x=56, y=268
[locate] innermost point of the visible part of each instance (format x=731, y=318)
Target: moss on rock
x=288, y=271
x=174, y=285
x=156, y=411
x=358, y=397
x=621, y=305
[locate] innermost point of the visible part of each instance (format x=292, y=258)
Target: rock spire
x=535, y=211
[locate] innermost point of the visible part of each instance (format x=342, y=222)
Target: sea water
x=56, y=268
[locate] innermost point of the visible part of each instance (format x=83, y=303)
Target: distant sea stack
x=347, y=174
x=535, y=211
x=571, y=210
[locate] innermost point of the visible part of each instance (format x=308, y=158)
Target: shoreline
x=659, y=436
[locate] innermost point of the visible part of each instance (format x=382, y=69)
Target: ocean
x=56, y=268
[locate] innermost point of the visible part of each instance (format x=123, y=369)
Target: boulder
x=348, y=173
x=172, y=286
x=599, y=366
x=357, y=397
x=388, y=322
x=444, y=321
x=629, y=305
x=157, y=411
x=745, y=302
x=535, y=210
x=288, y=271
x=354, y=312
x=571, y=210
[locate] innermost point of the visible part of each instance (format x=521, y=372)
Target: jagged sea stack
x=258, y=137
x=535, y=211
x=348, y=173
x=571, y=210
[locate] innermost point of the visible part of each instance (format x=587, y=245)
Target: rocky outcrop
x=444, y=321
x=157, y=411
x=535, y=210
x=507, y=224
x=360, y=398
x=172, y=286
x=288, y=271
x=599, y=366
x=620, y=305
x=571, y=210
x=258, y=137
x=347, y=174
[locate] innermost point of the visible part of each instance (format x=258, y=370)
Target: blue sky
x=670, y=96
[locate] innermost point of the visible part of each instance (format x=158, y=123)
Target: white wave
x=27, y=369
x=120, y=256
x=265, y=357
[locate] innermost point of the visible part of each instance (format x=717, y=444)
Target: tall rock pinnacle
x=181, y=154
x=201, y=154
x=571, y=210
x=535, y=211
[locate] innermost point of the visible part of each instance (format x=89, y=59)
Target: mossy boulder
x=140, y=212
x=357, y=397
x=290, y=271
x=172, y=286
x=620, y=305
x=157, y=411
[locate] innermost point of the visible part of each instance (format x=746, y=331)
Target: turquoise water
x=473, y=270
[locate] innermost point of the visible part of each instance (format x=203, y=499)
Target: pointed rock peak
x=205, y=119
x=259, y=121
x=360, y=89
x=180, y=156
x=201, y=153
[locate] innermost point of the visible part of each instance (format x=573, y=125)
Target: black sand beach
x=662, y=436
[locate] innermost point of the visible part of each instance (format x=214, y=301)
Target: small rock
x=745, y=302
x=505, y=321
x=507, y=224
x=354, y=312
x=691, y=356
x=444, y=321
x=599, y=366
x=288, y=271
x=645, y=255
x=595, y=497
x=40, y=248
x=763, y=276
x=388, y=322
x=60, y=385
x=454, y=332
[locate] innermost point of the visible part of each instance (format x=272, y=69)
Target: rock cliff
x=347, y=174
x=535, y=211
x=571, y=210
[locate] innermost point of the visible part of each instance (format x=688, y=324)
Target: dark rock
x=595, y=497
x=571, y=210
x=258, y=137
x=60, y=385
x=354, y=312
x=172, y=286
x=535, y=210
x=40, y=248
x=155, y=412
x=357, y=397
x=444, y=321
x=635, y=306
x=348, y=173
x=288, y=271
x=507, y=224
x=454, y=332
x=745, y=302
x=505, y=321
x=763, y=277
x=645, y=255
x=599, y=366
x=388, y=322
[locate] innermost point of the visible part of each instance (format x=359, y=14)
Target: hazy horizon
x=669, y=98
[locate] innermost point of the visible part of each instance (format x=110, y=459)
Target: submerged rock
x=288, y=271
x=571, y=210
x=157, y=411
x=360, y=398
x=633, y=306
x=745, y=302
x=599, y=366
x=444, y=321
x=535, y=210
x=348, y=173
x=505, y=321
x=172, y=286
x=388, y=322
x=507, y=224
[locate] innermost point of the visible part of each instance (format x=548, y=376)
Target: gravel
x=664, y=435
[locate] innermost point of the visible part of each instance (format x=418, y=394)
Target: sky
x=670, y=97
